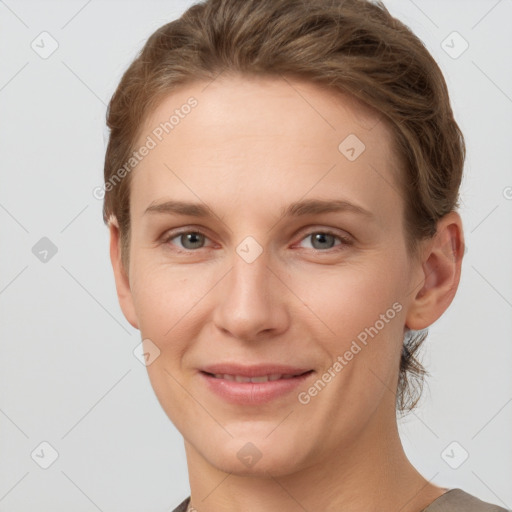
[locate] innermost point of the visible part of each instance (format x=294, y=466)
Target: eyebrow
x=296, y=209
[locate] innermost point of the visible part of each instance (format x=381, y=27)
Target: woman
x=245, y=136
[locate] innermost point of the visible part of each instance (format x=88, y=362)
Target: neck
x=371, y=473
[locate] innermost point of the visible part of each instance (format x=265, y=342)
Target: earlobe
x=440, y=273
x=124, y=293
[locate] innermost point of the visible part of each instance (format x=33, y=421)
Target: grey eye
x=190, y=240
x=321, y=240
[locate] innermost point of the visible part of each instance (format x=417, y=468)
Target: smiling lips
x=251, y=385
x=263, y=378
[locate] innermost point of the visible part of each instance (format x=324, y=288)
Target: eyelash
x=345, y=240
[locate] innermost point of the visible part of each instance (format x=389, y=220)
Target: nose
x=251, y=300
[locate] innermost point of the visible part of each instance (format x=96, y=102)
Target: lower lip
x=252, y=393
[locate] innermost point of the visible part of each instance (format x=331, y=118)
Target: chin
x=260, y=457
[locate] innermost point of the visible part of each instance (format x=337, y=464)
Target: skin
x=251, y=147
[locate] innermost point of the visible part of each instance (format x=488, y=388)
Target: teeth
x=263, y=378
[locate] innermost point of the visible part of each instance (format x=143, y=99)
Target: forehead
x=232, y=95
x=248, y=137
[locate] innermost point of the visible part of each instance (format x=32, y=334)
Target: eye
x=322, y=240
x=189, y=240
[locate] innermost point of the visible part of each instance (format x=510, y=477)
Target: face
x=267, y=274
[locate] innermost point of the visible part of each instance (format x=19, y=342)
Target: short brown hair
x=356, y=47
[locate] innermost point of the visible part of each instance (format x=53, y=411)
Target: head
x=245, y=107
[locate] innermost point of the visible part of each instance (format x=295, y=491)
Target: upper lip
x=253, y=370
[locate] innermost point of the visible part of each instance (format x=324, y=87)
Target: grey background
x=68, y=375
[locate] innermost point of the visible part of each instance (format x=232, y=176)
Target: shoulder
x=457, y=500
x=182, y=507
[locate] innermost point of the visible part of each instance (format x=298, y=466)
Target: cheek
x=363, y=309
x=164, y=297
x=362, y=323
x=346, y=300
x=161, y=300
x=166, y=302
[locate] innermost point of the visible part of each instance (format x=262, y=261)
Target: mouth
x=259, y=378
x=256, y=389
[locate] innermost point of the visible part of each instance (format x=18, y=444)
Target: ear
x=124, y=293
x=439, y=275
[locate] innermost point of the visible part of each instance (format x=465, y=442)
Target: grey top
x=454, y=500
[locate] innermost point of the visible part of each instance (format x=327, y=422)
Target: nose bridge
x=250, y=275
x=250, y=301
